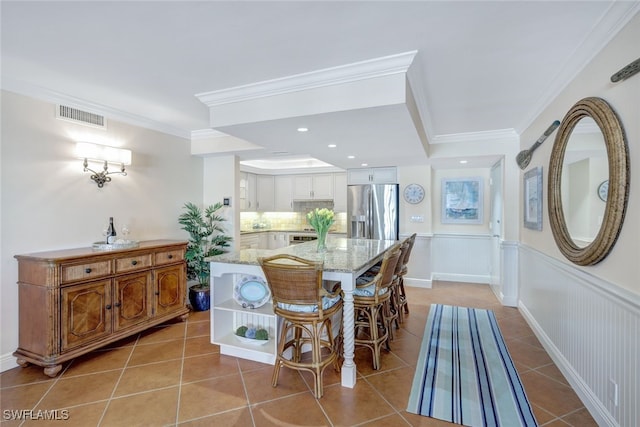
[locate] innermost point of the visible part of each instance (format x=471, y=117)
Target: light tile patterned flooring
x=171, y=375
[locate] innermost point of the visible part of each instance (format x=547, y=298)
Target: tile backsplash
x=285, y=221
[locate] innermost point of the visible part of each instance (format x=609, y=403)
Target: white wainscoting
x=590, y=328
x=507, y=289
x=419, y=268
x=461, y=258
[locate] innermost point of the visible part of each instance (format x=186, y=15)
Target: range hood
x=305, y=206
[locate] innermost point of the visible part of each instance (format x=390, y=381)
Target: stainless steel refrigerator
x=372, y=211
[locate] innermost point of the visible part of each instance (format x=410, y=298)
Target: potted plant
x=206, y=238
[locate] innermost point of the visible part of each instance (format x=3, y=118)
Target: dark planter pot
x=199, y=298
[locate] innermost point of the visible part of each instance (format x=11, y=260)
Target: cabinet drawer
x=91, y=270
x=133, y=263
x=168, y=257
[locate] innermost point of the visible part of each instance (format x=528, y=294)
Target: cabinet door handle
x=108, y=307
x=87, y=270
x=134, y=262
x=170, y=256
x=117, y=304
x=157, y=292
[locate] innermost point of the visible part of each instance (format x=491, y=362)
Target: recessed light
x=364, y=164
x=332, y=145
x=302, y=129
x=351, y=157
x=463, y=161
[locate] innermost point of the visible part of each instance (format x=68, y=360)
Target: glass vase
x=322, y=240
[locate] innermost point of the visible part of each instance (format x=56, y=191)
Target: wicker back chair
x=395, y=300
x=403, y=305
x=306, y=309
x=371, y=305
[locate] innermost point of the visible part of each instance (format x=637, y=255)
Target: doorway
x=495, y=184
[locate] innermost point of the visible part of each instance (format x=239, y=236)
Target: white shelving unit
x=227, y=315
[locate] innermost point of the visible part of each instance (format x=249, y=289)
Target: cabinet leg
x=52, y=371
x=22, y=362
x=184, y=317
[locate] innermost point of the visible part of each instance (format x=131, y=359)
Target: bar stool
x=371, y=306
x=395, y=301
x=403, y=306
x=396, y=304
x=306, y=309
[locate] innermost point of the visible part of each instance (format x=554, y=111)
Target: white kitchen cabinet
x=313, y=187
x=282, y=187
x=258, y=240
x=242, y=184
x=373, y=176
x=249, y=241
x=264, y=193
x=247, y=191
x=278, y=239
x=340, y=192
x=251, y=191
x=263, y=242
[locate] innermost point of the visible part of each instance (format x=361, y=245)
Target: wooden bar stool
x=403, y=306
x=306, y=309
x=371, y=305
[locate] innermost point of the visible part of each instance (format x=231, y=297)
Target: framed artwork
x=533, y=199
x=462, y=200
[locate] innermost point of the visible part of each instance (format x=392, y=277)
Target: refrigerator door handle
x=369, y=224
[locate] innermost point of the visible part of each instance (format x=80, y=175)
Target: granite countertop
x=342, y=254
x=286, y=230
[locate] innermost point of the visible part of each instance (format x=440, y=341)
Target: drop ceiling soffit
x=377, y=82
x=349, y=73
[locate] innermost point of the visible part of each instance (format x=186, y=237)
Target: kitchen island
x=344, y=260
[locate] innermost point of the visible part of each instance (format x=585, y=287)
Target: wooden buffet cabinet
x=74, y=301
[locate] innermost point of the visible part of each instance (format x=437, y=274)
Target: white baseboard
x=591, y=401
x=417, y=283
x=510, y=301
x=8, y=361
x=466, y=278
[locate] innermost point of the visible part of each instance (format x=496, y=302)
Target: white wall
x=569, y=305
x=416, y=175
x=220, y=177
x=48, y=202
x=621, y=266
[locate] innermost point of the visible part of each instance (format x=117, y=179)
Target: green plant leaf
x=206, y=238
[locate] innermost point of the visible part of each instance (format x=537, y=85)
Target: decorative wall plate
x=251, y=292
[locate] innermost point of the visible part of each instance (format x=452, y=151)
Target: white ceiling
x=484, y=66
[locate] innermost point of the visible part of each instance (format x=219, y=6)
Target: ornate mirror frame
x=618, y=159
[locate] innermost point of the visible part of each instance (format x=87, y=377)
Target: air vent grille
x=75, y=115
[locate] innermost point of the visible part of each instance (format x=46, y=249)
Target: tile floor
x=171, y=375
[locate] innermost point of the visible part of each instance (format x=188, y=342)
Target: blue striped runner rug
x=464, y=372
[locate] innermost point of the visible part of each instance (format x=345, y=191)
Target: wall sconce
x=106, y=154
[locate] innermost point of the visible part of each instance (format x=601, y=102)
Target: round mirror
x=584, y=169
x=588, y=182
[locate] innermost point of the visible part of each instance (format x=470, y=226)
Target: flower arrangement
x=321, y=220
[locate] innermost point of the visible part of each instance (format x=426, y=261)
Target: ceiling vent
x=64, y=112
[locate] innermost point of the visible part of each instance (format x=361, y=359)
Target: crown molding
x=48, y=95
x=207, y=133
x=356, y=71
x=500, y=135
x=611, y=23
